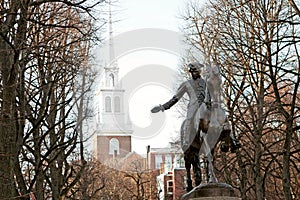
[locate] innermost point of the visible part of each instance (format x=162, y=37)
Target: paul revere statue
x=196, y=90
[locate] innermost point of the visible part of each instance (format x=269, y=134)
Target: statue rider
x=195, y=88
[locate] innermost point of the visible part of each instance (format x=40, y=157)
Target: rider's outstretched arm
x=171, y=102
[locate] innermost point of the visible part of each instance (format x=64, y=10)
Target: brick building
x=113, y=127
x=170, y=172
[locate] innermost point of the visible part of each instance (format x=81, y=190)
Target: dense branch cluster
x=45, y=75
x=257, y=43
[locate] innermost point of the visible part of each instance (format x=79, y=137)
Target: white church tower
x=113, y=127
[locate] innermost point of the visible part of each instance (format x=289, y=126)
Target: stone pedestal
x=211, y=191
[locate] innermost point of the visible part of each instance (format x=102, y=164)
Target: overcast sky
x=160, y=15
x=137, y=14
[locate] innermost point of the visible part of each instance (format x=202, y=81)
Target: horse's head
x=214, y=82
x=214, y=73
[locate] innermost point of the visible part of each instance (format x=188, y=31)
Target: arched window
x=111, y=80
x=107, y=104
x=117, y=104
x=114, y=146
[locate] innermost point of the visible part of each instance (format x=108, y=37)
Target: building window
x=168, y=159
x=170, y=187
x=107, y=104
x=168, y=162
x=180, y=161
x=114, y=145
x=117, y=104
x=158, y=161
x=111, y=80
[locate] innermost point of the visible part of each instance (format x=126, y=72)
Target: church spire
x=111, y=69
x=112, y=59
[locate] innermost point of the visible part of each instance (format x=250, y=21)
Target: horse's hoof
x=213, y=180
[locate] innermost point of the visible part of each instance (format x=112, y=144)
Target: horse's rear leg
x=211, y=173
x=188, y=172
x=205, y=161
x=197, y=170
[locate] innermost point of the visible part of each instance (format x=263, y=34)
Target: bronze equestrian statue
x=200, y=111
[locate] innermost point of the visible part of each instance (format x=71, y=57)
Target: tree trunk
x=286, y=179
x=243, y=178
x=8, y=130
x=11, y=43
x=259, y=182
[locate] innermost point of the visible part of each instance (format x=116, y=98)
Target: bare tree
x=43, y=44
x=257, y=43
x=141, y=185
x=94, y=179
x=295, y=7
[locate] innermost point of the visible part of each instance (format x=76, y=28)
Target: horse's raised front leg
x=188, y=172
x=225, y=135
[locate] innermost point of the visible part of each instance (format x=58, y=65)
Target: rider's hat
x=195, y=66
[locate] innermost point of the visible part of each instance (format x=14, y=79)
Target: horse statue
x=211, y=126
x=206, y=123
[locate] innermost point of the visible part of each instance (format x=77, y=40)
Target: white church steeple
x=113, y=129
x=112, y=69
